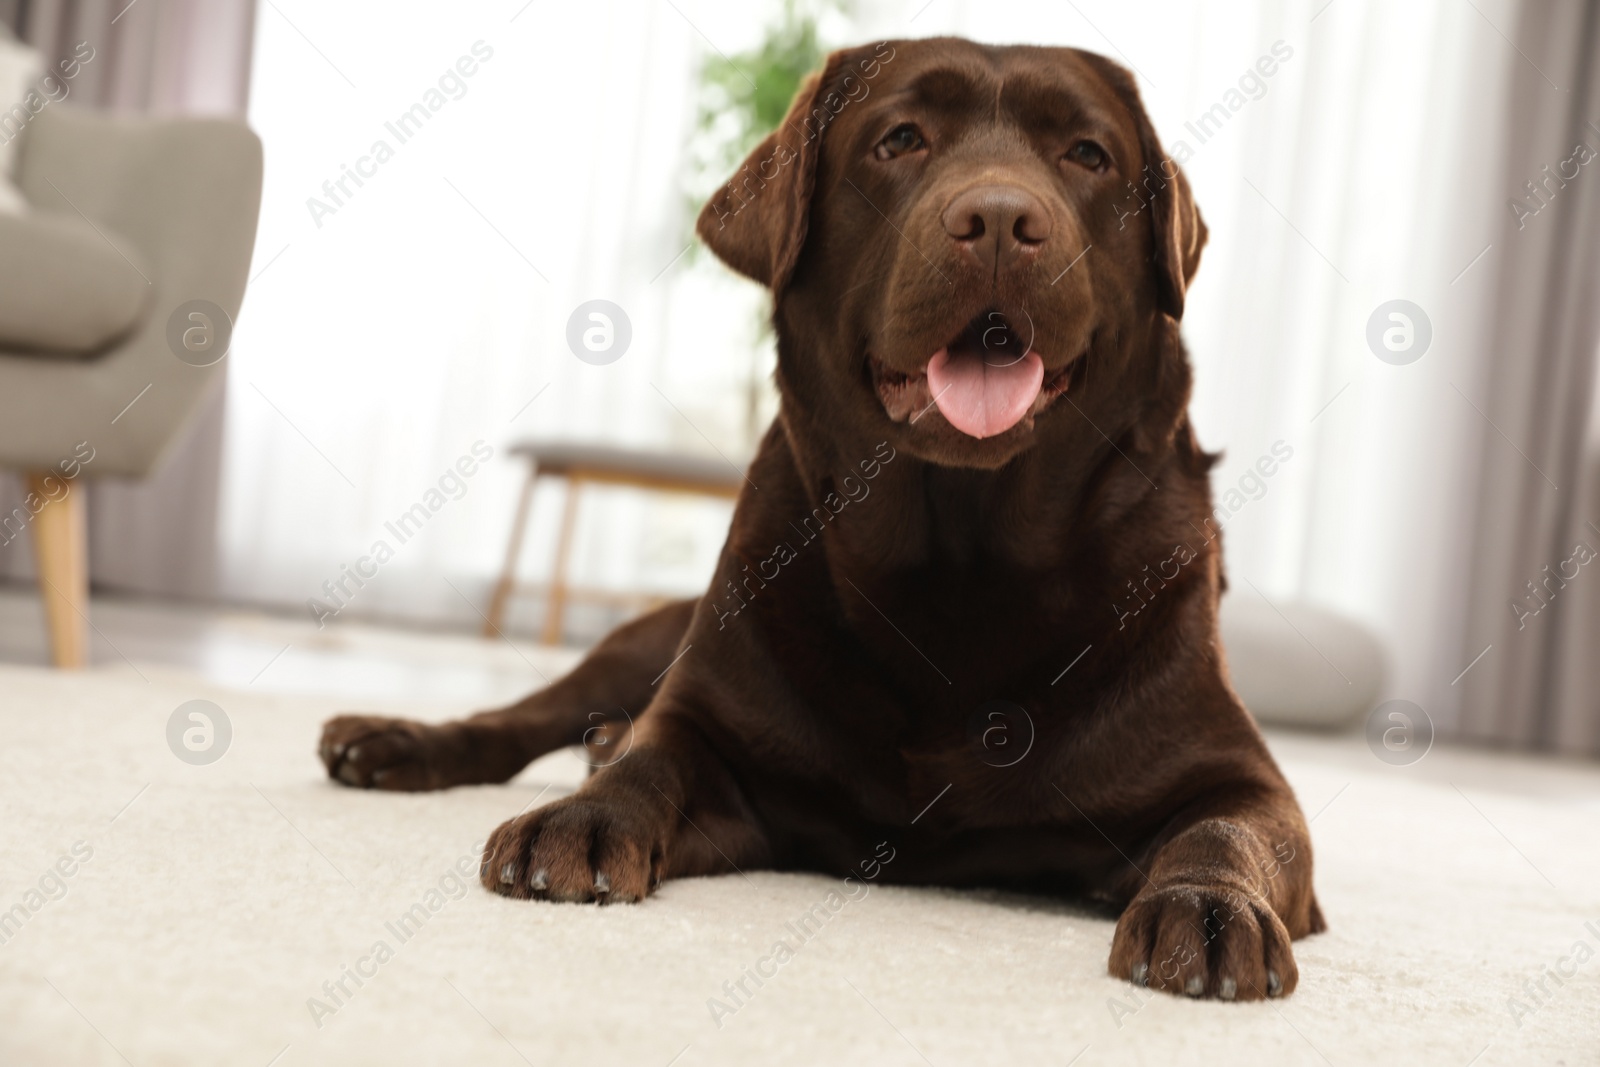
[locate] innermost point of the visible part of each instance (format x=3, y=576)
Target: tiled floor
x=255, y=651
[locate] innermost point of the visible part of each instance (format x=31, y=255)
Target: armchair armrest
x=185, y=193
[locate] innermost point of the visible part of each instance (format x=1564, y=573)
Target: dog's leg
x=613, y=680
x=1225, y=892
x=667, y=808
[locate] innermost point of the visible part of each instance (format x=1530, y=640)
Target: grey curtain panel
x=1533, y=609
x=163, y=57
x=160, y=57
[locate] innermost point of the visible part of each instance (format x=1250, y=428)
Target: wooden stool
x=659, y=471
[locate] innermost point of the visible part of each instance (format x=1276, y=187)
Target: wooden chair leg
x=508, y=574
x=61, y=555
x=556, y=606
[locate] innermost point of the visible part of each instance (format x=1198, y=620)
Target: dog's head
x=950, y=230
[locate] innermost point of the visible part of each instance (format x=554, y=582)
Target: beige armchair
x=118, y=288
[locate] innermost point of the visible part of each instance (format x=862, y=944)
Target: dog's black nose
x=997, y=226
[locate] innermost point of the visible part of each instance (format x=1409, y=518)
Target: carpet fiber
x=169, y=913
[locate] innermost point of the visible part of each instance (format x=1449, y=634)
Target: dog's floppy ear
x=1175, y=224
x=1179, y=231
x=757, y=222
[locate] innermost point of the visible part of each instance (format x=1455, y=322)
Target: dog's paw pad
x=1200, y=940
x=373, y=752
x=576, y=849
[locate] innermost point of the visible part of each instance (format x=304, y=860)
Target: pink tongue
x=979, y=398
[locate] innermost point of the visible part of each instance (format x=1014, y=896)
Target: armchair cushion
x=66, y=288
x=185, y=193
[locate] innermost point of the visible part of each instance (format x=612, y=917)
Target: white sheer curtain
x=430, y=307
x=408, y=326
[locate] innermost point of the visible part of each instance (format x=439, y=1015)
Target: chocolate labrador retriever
x=966, y=615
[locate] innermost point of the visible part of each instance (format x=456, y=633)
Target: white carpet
x=222, y=898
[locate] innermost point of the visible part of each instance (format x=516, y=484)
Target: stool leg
x=508, y=574
x=61, y=556
x=556, y=607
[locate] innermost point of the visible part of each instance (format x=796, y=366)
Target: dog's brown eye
x=1087, y=154
x=902, y=139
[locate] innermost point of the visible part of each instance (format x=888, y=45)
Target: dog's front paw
x=373, y=752
x=1204, y=941
x=577, y=848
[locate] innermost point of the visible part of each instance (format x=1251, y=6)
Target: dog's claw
x=508, y=874
x=540, y=881
x=602, y=883
x=1141, y=974
x=1228, y=989
x=1195, y=986
x=1274, y=984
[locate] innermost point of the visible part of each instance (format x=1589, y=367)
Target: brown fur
x=891, y=577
